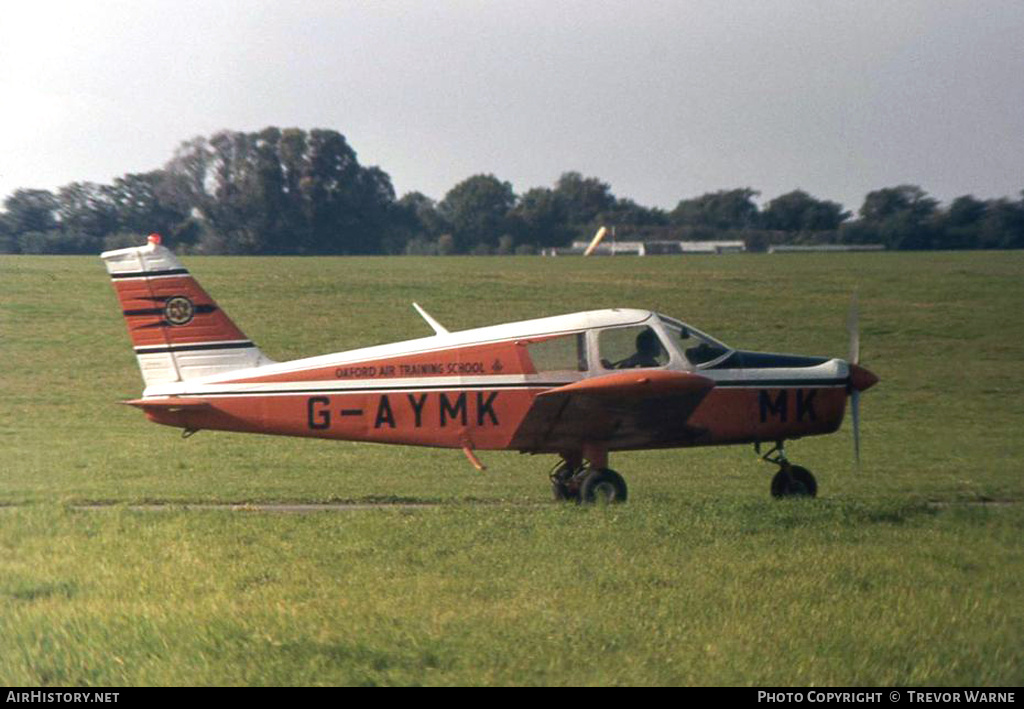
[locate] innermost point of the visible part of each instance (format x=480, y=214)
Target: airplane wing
x=625, y=410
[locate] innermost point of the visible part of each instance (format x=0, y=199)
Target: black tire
x=798, y=482
x=603, y=485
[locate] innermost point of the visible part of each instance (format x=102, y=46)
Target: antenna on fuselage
x=439, y=329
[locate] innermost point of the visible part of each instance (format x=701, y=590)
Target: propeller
x=853, y=330
x=855, y=412
x=860, y=378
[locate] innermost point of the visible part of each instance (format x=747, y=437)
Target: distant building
x=699, y=247
x=650, y=248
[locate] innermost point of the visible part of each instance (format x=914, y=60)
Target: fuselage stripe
x=364, y=390
x=780, y=383
x=468, y=387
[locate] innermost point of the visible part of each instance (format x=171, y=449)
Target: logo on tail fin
x=179, y=310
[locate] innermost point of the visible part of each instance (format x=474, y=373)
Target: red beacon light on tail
x=154, y=239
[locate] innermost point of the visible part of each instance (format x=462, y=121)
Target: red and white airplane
x=578, y=385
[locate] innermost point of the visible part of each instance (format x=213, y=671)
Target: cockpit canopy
x=629, y=339
x=657, y=342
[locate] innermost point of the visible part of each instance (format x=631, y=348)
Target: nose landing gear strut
x=791, y=480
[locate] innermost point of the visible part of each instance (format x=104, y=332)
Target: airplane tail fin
x=177, y=330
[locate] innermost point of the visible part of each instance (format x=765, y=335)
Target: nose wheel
x=796, y=482
x=791, y=480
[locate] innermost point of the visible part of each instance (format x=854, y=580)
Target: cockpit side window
x=566, y=353
x=631, y=347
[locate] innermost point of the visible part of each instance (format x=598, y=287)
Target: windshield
x=699, y=349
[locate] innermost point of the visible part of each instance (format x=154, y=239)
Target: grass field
x=910, y=572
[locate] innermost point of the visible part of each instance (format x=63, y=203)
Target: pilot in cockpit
x=648, y=352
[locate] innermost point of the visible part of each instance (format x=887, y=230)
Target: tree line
x=296, y=192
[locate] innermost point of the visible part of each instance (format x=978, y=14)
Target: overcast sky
x=663, y=100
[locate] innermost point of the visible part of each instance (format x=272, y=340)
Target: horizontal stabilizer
x=170, y=404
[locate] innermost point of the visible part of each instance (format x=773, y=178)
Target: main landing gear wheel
x=604, y=486
x=587, y=485
x=794, y=482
